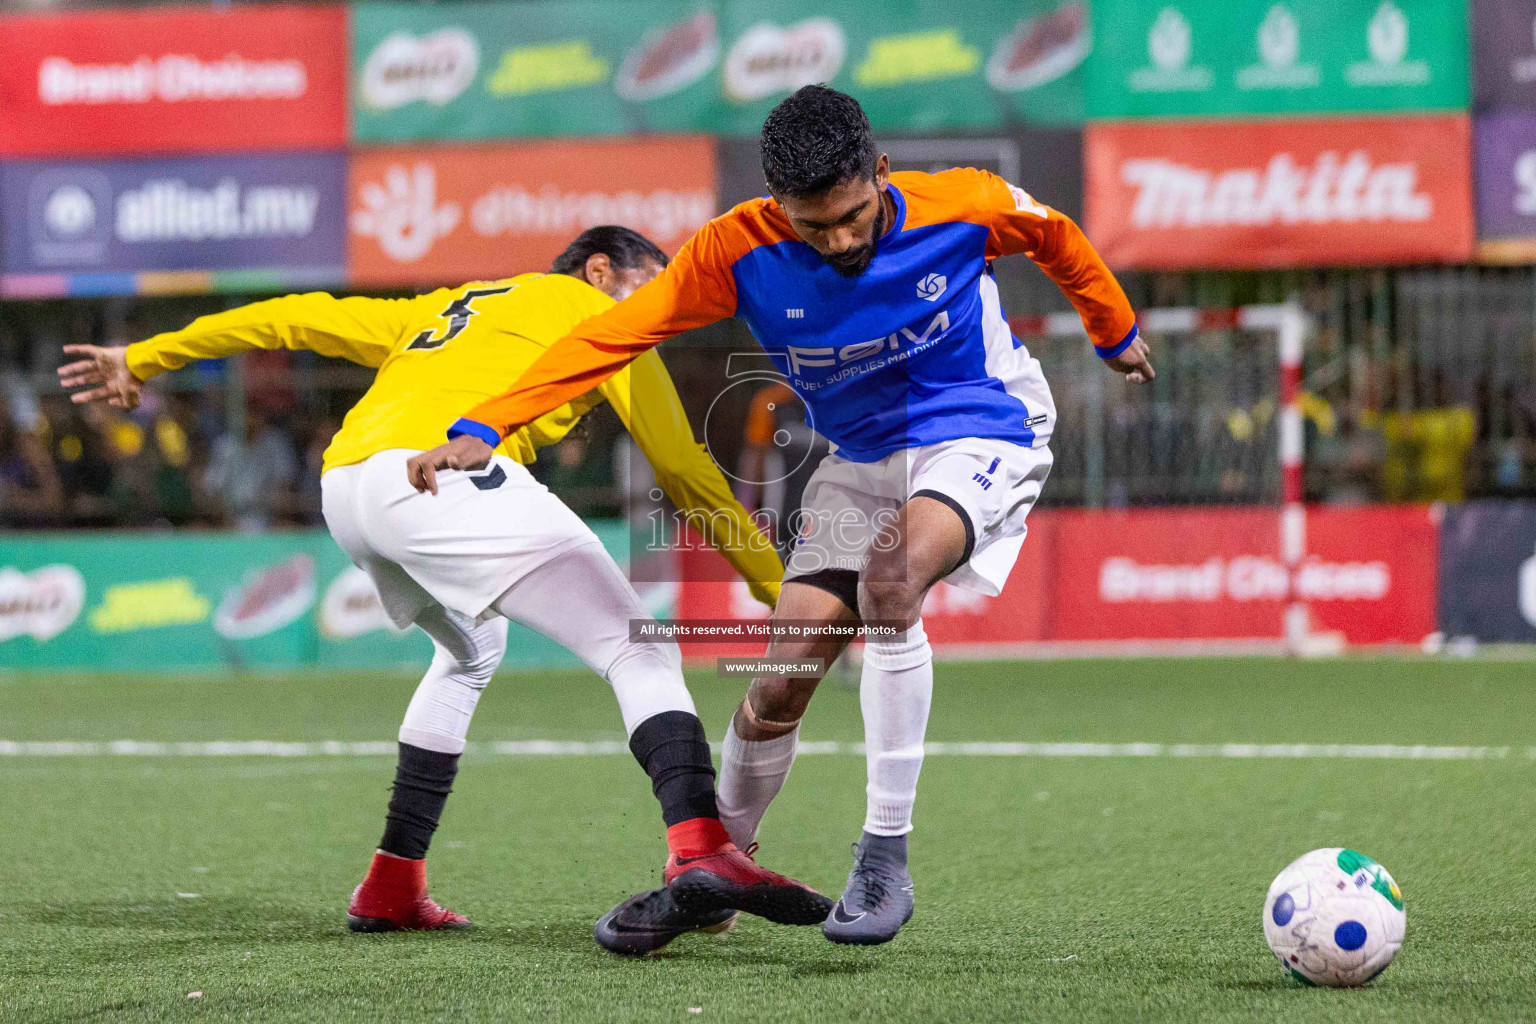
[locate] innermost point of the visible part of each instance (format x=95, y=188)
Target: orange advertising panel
x=1280, y=193
x=431, y=216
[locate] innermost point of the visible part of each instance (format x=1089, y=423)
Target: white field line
x=581, y=748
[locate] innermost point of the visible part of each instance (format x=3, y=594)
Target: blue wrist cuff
x=1109, y=352
x=480, y=430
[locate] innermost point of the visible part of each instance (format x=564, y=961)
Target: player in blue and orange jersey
x=495, y=545
x=872, y=292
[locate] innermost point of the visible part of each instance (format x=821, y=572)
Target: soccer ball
x=1334, y=917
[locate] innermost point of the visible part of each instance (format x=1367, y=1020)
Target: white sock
x=751, y=774
x=466, y=655
x=895, y=692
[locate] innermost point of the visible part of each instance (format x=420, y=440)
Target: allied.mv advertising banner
x=1506, y=185
x=187, y=224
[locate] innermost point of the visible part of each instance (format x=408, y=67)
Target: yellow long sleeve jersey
x=437, y=355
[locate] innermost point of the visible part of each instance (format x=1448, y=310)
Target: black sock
x=423, y=780
x=673, y=751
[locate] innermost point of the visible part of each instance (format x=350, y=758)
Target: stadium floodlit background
x=1373, y=164
x=1367, y=168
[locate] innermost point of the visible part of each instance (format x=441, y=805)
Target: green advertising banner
x=1191, y=58
x=600, y=67
x=915, y=65
x=511, y=70
x=155, y=602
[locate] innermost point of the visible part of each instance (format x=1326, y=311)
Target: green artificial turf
x=1066, y=889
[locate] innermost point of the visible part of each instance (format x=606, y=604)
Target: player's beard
x=854, y=262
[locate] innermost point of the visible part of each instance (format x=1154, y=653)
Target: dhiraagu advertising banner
x=150, y=602
x=1183, y=58
x=600, y=67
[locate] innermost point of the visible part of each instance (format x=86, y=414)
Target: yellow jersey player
x=495, y=545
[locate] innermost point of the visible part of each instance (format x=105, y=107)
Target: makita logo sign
x=174, y=78
x=1334, y=188
x=1275, y=192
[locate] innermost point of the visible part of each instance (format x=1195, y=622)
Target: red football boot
x=707, y=873
x=393, y=898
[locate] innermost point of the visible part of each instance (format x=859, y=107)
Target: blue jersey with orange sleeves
x=913, y=352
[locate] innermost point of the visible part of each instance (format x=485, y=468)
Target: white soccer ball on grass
x=1335, y=918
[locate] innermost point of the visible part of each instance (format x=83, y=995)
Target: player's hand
x=1133, y=362
x=104, y=372
x=464, y=452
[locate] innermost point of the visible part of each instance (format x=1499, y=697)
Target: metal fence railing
x=1204, y=431
x=1420, y=385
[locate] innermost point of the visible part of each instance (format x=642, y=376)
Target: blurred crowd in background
x=1420, y=386
x=431, y=144
x=230, y=444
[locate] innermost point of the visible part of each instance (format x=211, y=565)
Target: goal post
x=1290, y=327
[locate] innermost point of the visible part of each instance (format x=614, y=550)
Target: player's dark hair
x=815, y=140
x=625, y=249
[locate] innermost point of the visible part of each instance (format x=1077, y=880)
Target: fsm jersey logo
x=931, y=287
x=804, y=362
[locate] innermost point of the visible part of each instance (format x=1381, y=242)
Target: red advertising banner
x=1372, y=573
x=445, y=215
x=174, y=80
x=1088, y=576
x=1168, y=574
x=1217, y=574
x=1280, y=193
x=953, y=618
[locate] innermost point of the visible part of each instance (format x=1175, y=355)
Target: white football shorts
x=990, y=484
x=461, y=548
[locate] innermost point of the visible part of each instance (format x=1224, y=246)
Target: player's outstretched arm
x=1059, y=248
x=360, y=330
x=103, y=372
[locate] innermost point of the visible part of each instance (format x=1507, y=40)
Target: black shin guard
x=423, y=780
x=673, y=751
